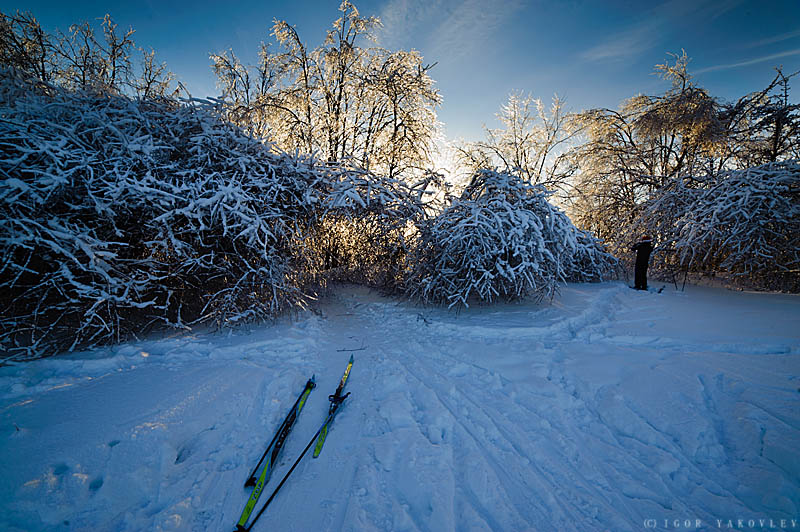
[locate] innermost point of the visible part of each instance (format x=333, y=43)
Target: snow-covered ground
x=608, y=409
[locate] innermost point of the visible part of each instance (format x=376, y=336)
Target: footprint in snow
x=183, y=454
x=96, y=484
x=190, y=446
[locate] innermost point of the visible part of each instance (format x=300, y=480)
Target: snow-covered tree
x=746, y=224
x=500, y=240
x=119, y=212
x=358, y=230
x=675, y=164
x=120, y=215
x=742, y=224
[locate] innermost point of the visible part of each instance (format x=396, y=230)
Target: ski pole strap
x=338, y=399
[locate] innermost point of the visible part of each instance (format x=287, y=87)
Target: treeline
x=715, y=183
x=123, y=212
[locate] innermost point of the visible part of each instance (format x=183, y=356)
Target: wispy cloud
x=629, y=43
x=773, y=40
x=715, y=9
x=404, y=18
x=749, y=62
x=472, y=25
x=657, y=23
x=445, y=28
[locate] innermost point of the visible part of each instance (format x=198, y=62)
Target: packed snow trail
x=608, y=409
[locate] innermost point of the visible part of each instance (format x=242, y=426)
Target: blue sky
x=593, y=53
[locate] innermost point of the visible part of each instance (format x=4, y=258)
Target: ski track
x=595, y=423
x=633, y=436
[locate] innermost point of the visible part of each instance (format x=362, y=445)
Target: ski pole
x=294, y=465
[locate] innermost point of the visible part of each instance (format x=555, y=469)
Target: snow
x=604, y=410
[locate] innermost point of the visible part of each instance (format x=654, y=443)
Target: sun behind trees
x=126, y=209
x=365, y=106
x=532, y=143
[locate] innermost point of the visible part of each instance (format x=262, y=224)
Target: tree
x=119, y=214
x=25, y=47
x=744, y=224
x=651, y=140
x=79, y=60
x=532, y=142
x=713, y=182
x=500, y=240
x=402, y=119
x=340, y=101
x=765, y=125
x=154, y=80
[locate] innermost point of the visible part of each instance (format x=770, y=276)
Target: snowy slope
x=602, y=411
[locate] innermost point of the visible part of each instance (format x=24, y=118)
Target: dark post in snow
x=643, y=249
